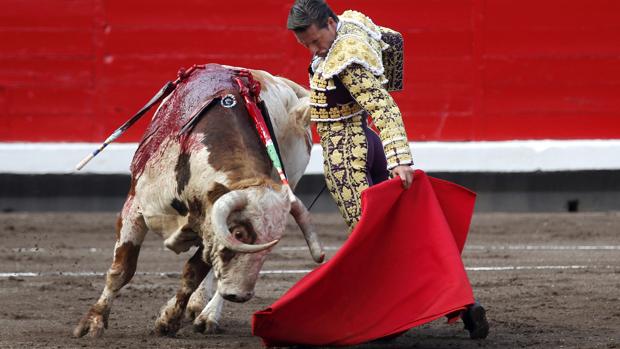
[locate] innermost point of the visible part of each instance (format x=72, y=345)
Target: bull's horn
x=227, y=203
x=302, y=217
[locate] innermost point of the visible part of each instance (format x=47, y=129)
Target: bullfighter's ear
x=301, y=113
x=218, y=190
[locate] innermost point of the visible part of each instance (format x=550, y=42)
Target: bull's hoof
x=167, y=329
x=91, y=323
x=191, y=312
x=206, y=326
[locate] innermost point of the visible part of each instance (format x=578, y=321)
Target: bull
x=204, y=179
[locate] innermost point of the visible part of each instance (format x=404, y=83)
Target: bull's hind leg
x=171, y=314
x=130, y=232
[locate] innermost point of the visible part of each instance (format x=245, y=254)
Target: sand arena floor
x=547, y=281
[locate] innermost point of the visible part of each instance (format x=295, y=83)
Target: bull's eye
x=243, y=232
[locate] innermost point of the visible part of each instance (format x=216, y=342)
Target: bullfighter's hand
x=405, y=173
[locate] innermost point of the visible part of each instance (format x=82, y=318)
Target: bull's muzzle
x=238, y=297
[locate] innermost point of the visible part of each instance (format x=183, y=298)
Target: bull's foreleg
x=171, y=314
x=206, y=316
x=200, y=297
x=209, y=319
x=130, y=234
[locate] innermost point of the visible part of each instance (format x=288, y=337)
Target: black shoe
x=475, y=321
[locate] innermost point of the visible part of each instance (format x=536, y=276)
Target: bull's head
x=247, y=224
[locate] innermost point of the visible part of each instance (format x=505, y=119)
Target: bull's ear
x=216, y=192
x=301, y=113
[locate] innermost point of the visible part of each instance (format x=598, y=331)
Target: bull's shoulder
x=299, y=90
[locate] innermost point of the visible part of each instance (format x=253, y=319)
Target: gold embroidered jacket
x=350, y=81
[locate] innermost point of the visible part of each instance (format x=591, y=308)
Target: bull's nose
x=238, y=297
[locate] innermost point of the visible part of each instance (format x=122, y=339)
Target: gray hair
x=305, y=13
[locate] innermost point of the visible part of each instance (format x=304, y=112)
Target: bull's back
x=221, y=148
x=176, y=110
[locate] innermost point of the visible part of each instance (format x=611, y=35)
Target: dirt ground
x=547, y=281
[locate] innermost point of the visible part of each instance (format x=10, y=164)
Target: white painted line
x=12, y=275
x=538, y=267
x=305, y=248
x=498, y=247
x=290, y=271
x=546, y=247
x=305, y=271
x=336, y=248
x=28, y=249
x=502, y=156
x=505, y=156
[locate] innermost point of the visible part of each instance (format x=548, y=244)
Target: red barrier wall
x=74, y=70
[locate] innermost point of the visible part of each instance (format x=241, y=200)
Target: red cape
x=400, y=268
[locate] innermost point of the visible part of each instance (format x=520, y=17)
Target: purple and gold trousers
x=353, y=160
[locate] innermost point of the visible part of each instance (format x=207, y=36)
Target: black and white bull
x=213, y=187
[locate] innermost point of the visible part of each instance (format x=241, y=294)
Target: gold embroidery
x=358, y=41
x=393, y=57
x=368, y=92
x=345, y=173
x=333, y=113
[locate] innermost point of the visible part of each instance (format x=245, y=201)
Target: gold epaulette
x=361, y=21
x=358, y=42
x=349, y=49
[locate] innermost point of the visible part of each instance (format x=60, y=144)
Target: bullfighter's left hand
x=405, y=173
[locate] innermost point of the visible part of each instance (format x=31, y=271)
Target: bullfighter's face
x=318, y=40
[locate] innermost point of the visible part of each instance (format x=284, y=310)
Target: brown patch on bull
x=118, y=227
x=182, y=172
x=233, y=142
x=196, y=212
x=124, y=265
x=179, y=206
x=216, y=192
x=196, y=206
x=227, y=255
x=195, y=270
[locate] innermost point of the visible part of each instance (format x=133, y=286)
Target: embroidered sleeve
x=368, y=92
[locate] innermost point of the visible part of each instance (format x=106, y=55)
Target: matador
x=355, y=63
x=349, y=80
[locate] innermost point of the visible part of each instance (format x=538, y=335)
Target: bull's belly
x=155, y=204
x=165, y=225
x=173, y=229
